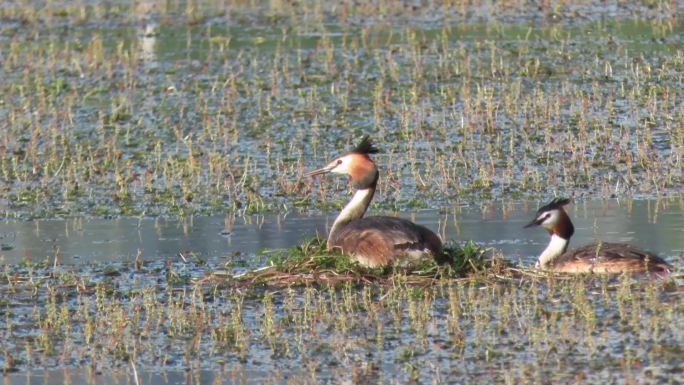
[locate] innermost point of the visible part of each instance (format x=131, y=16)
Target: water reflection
x=653, y=225
x=148, y=31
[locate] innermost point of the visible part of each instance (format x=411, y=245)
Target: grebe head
x=553, y=218
x=361, y=169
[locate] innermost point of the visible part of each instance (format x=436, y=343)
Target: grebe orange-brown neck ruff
x=600, y=257
x=377, y=240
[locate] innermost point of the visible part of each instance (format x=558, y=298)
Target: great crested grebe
x=600, y=257
x=378, y=240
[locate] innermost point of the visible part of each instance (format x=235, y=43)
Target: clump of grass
x=468, y=258
x=312, y=262
x=313, y=255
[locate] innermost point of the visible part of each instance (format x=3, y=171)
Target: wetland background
x=144, y=144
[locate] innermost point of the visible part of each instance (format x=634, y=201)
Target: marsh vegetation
x=177, y=110
x=112, y=109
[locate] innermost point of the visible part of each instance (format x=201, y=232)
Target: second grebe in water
x=600, y=257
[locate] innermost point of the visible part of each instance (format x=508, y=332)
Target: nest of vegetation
x=311, y=263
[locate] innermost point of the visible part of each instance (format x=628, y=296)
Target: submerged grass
x=512, y=327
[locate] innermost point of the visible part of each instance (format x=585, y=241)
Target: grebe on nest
x=377, y=240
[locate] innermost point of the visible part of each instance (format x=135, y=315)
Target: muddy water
x=653, y=225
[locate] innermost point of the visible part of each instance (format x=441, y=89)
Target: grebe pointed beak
x=323, y=170
x=535, y=222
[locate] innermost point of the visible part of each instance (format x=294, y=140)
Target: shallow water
x=656, y=225
x=183, y=332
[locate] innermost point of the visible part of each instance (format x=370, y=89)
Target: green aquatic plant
x=467, y=258
x=311, y=262
x=401, y=315
x=312, y=255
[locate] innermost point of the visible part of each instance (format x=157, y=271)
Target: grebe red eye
x=339, y=161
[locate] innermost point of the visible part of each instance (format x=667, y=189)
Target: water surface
x=656, y=225
x=175, y=330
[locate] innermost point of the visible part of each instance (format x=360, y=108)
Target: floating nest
x=311, y=263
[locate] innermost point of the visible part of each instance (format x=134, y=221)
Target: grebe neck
x=555, y=249
x=354, y=210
